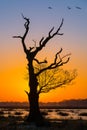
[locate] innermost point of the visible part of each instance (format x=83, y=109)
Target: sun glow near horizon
x=13, y=61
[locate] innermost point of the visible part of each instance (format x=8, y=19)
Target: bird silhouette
x=49, y=7
x=77, y=7
x=68, y=7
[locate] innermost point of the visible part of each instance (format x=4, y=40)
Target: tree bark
x=35, y=115
x=33, y=97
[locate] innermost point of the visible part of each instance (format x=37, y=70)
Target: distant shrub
x=63, y=113
x=57, y=110
x=50, y=110
x=1, y=112
x=44, y=113
x=83, y=114
x=18, y=113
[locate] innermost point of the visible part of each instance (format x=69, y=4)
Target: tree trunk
x=34, y=112
x=33, y=97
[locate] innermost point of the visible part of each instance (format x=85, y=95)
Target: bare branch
x=60, y=26
x=56, y=63
x=17, y=37
x=51, y=31
x=57, y=32
x=66, y=55
x=45, y=61
x=30, y=49
x=27, y=20
x=35, y=43
x=26, y=92
x=39, y=91
x=63, y=62
x=59, y=78
x=49, y=79
x=43, y=41
x=60, y=84
x=26, y=25
x=56, y=56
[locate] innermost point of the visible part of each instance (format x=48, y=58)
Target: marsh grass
x=1, y=112
x=63, y=113
x=18, y=113
x=15, y=121
x=44, y=112
x=83, y=114
x=18, y=123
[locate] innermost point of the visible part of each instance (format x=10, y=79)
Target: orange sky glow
x=13, y=61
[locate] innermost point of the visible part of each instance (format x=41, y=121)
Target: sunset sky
x=13, y=61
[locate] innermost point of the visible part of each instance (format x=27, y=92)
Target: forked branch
x=58, y=61
x=26, y=25
x=45, y=61
x=43, y=41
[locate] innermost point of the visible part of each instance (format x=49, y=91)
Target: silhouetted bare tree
x=43, y=77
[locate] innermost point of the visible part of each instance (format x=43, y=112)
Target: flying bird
x=49, y=7
x=77, y=7
x=68, y=7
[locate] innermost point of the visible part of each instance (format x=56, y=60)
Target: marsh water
x=48, y=113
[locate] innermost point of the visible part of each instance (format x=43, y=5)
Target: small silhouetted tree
x=43, y=77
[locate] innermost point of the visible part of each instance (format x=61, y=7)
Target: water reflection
x=48, y=113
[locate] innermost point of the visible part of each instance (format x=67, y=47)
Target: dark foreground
x=17, y=123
